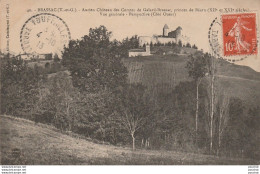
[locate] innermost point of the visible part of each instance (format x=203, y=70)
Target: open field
x=24, y=142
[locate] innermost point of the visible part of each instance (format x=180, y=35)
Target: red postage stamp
x=239, y=34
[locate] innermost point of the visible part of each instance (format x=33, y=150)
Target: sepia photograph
x=143, y=82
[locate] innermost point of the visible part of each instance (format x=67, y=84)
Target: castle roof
x=165, y=26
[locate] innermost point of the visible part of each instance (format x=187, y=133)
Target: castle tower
x=178, y=33
x=165, y=30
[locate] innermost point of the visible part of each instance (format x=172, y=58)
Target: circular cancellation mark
x=44, y=33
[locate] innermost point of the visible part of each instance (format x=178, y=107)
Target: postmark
x=44, y=33
x=214, y=36
x=233, y=37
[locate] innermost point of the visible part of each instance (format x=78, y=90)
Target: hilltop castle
x=168, y=36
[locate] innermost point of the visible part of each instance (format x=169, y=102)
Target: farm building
x=140, y=52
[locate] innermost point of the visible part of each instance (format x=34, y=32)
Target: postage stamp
x=44, y=33
x=233, y=37
x=239, y=34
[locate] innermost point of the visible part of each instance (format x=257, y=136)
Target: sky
x=194, y=24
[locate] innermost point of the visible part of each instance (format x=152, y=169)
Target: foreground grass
x=24, y=142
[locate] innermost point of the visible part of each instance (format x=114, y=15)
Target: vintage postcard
x=140, y=82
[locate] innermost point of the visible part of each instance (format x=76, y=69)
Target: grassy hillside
x=157, y=72
x=162, y=73
x=24, y=142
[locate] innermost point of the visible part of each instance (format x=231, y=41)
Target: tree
x=56, y=58
x=134, y=110
x=94, y=63
x=127, y=44
x=195, y=47
x=180, y=43
x=47, y=65
x=66, y=113
x=212, y=71
x=235, y=137
x=19, y=84
x=197, y=69
x=188, y=45
x=252, y=148
x=184, y=106
x=223, y=105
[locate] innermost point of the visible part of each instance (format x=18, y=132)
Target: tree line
x=172, y=44
x=93, y=98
